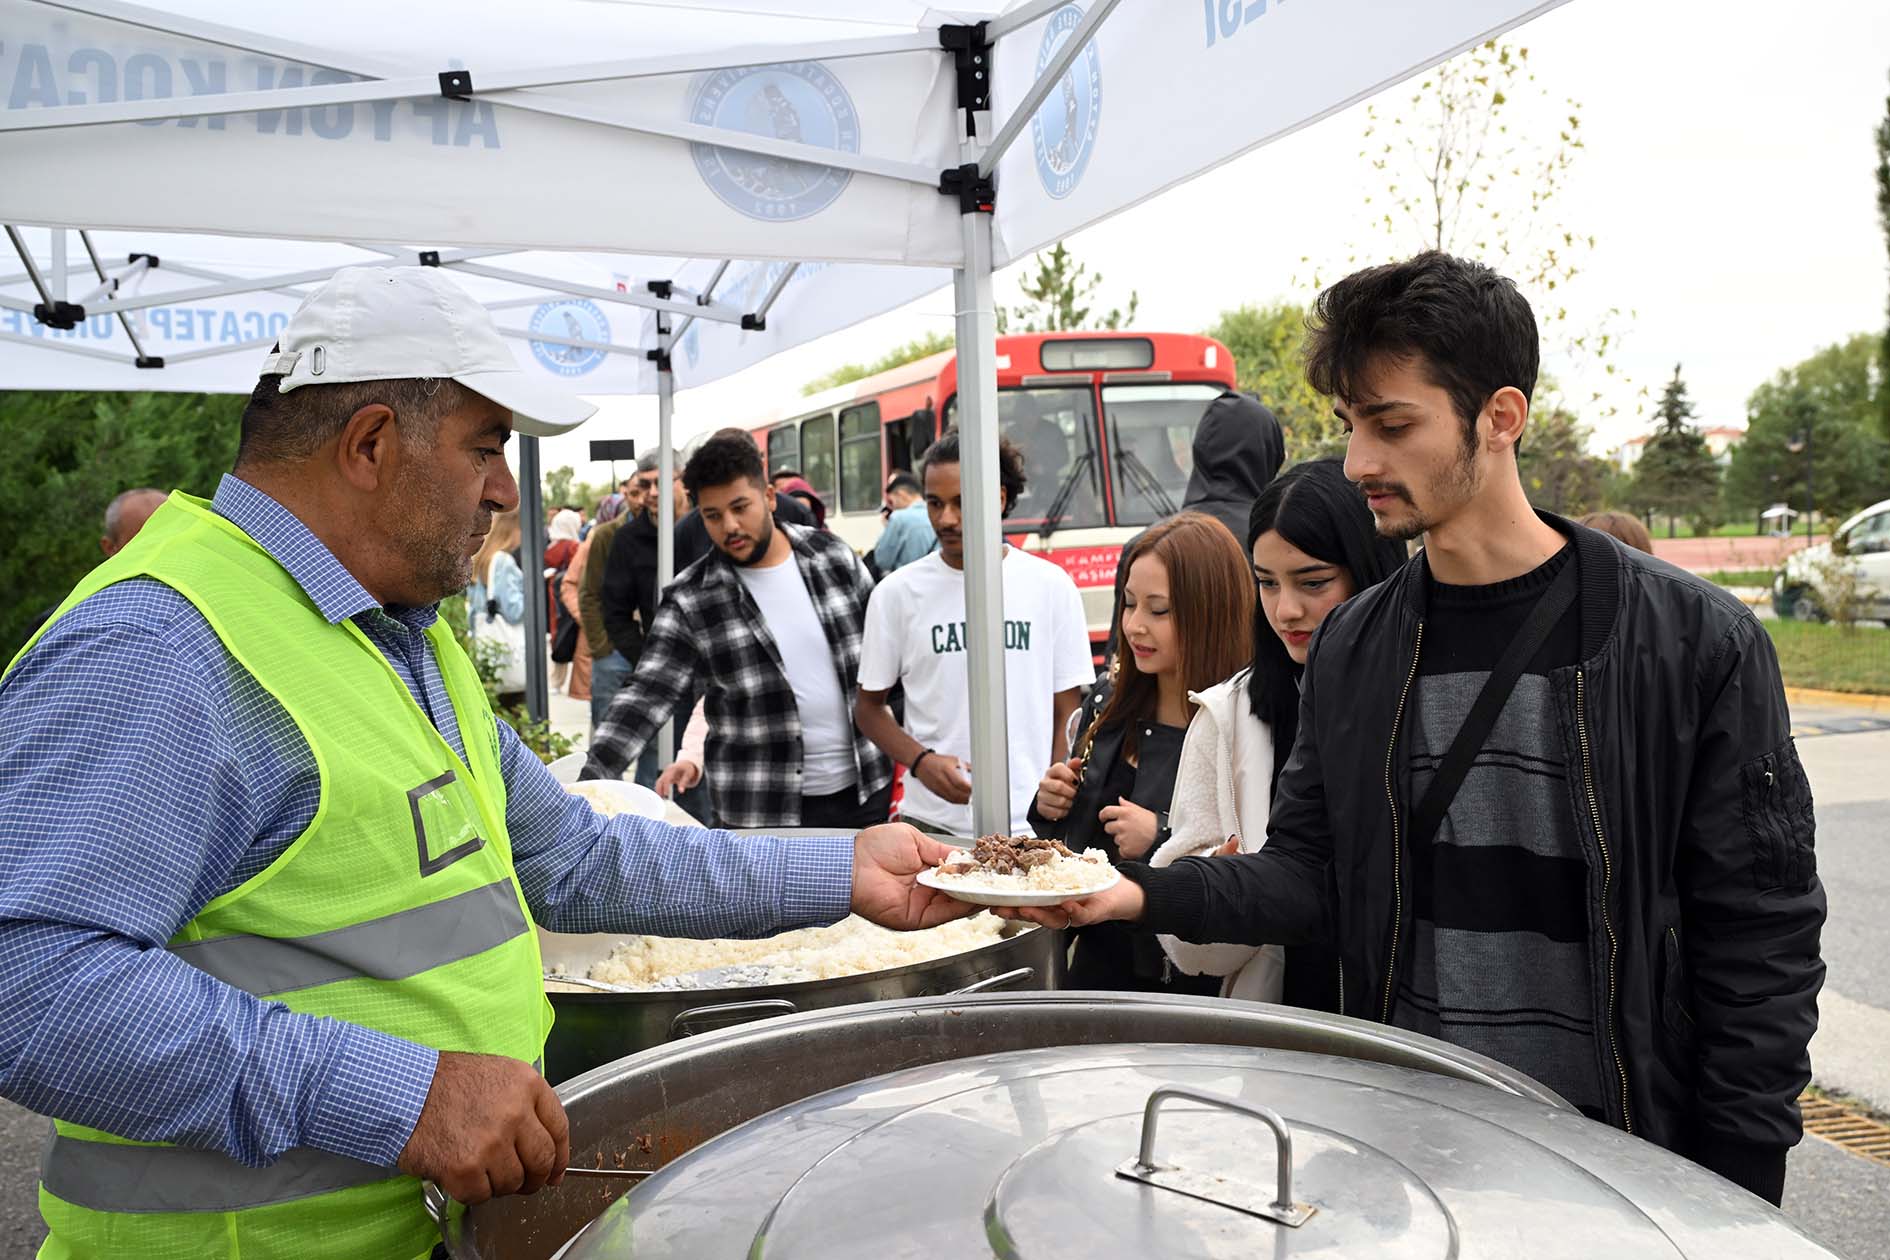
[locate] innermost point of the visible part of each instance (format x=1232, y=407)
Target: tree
x=1266, y=342
x=1836, y=398
x=68, y=455
x=562, y=486
x=1676, y=474
x=1883, y=213
x=1558, y=473
x=1060, y=296
x=1474, y=162
x=846, y=373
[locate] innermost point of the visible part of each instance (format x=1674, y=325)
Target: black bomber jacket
x=1694, y=813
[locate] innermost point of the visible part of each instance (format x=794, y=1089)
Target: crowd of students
x=1520, y=786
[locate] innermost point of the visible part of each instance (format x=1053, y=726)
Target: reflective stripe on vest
x=400, y=945
x=109, y=1177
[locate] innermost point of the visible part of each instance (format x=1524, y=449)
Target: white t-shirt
x=827, y=762
x=915, y=633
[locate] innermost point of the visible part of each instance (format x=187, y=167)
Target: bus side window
x=860, y=459
x=784, y=448
x=921, y=430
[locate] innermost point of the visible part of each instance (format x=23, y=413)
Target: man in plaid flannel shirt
x=769, y=624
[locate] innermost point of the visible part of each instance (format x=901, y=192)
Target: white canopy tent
x=647, y=195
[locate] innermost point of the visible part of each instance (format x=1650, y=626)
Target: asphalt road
x=1840, y=1198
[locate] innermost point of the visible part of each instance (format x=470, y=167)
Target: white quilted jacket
x=1223, y=787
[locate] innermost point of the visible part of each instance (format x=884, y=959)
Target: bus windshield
x=1151, y=445
x=1055, y=429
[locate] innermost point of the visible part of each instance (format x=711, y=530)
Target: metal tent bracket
x=976, y=193
x=61, y=315
x=970, y=47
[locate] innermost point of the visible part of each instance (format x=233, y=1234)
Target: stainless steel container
x=1182, y=1153
x=657, y=1106
x=597, y=1028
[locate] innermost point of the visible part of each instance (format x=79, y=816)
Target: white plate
x=983, y=897
x=639, y=799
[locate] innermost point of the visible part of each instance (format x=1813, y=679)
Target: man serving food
x=268, y=863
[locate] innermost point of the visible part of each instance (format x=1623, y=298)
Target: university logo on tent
x=1063, y=131
x=800, y=101
x=574, y=318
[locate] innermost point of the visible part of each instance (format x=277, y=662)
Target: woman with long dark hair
x=1313, y=546
x=1186, y=619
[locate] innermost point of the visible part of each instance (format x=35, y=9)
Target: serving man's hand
x=1124, y=901
x=886, y=862
x=490, y=1126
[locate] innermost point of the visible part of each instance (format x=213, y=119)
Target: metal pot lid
x=1080, y=1151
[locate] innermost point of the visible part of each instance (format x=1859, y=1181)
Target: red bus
x=1105, y=421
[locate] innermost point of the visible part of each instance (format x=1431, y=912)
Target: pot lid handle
x=1209, y=1185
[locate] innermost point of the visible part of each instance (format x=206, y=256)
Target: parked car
x=1802, y=588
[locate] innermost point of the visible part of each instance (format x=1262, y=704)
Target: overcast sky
x=1727, y=178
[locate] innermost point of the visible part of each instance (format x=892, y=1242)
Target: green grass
x=1811, y=654
x=1740, y=577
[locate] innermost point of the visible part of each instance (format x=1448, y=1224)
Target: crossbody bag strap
x=1481, y=719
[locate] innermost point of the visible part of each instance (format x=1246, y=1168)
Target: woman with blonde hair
x=495, y=606
x=1186, y=623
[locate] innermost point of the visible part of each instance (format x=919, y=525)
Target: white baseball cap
x=397, y=323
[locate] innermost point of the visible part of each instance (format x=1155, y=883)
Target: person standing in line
x=908, y=534
x=1186, y=623
x=1623, y=526
x=692, y=533
x=799, y=488
x=1544, y=798
x=495, y=606
x=769, y=625
x=570, y=595
x=125, y=515
x=915, y=635
x=561, y=544
x=1313, y=545
x=615, y=613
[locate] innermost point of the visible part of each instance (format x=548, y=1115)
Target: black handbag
x=564, y=645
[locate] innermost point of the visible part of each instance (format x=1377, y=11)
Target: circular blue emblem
x=575, y=318
x=798, y=100
x=1063, y=131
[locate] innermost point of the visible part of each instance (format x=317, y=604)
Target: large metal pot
x=597, y=1028
x=654, y=1107
x=1182, y=1153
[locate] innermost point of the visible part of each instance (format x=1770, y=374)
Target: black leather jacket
x=1705, y=906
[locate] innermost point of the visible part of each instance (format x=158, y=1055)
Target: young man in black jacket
x=1620, y=898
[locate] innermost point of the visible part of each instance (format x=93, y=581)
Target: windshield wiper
x=1055, y=516
x=1144, y=482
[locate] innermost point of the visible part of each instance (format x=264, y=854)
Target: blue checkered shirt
x=143, y=772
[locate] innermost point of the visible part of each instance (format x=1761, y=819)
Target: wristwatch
x=1162, y=830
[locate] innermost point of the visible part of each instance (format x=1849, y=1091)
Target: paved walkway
x=1704, y=555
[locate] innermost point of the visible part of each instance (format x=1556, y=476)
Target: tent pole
x=59, y=288
x=531, y=523
x=665, y=497
x=984, y=535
